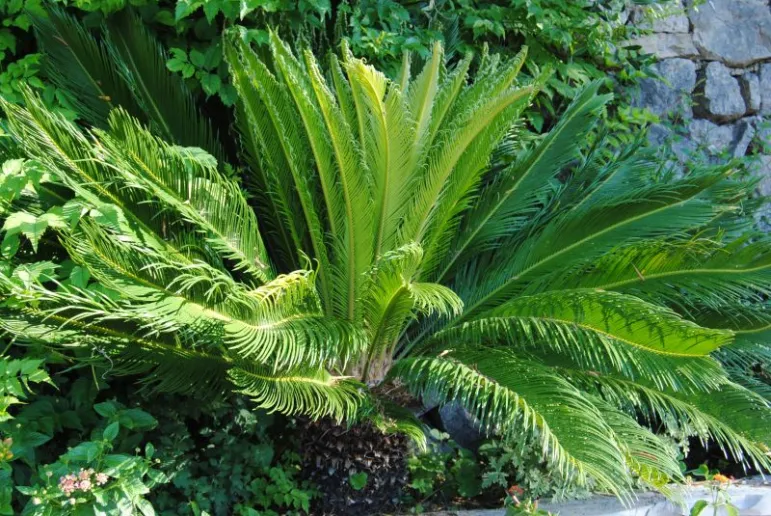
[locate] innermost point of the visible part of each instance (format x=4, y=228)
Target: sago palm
x=398, y=231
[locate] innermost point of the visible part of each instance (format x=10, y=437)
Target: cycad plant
x=398, y=232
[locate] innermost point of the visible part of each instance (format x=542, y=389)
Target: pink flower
x=85, y=485
x=101, y=478
x=83, y=475
x=68, y=484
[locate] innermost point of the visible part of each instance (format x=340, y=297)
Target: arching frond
x=515, y=190
x=735, y=418
x=314, y=393
x=188, y=183
x=583, y=235
x=496, y=387
x=604, y=332
x=163, y=96
x=79, y=64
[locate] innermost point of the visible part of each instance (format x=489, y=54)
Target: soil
x=332, y=454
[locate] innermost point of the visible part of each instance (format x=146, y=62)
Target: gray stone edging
x=752, y=497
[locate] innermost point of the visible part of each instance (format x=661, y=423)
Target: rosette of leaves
x=395, y=231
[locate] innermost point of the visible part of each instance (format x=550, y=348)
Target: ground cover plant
x=400, y=236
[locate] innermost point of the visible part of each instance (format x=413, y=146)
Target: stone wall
x=715, y=62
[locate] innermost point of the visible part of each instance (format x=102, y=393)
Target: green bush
x=581, y=41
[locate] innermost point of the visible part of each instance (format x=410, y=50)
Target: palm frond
x=164, y=97
x=496, y=387
x=314, y=393
x=603, y=332
x=80, y=64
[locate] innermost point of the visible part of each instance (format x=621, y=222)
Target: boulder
x=750, y=83
x=720, y=96
x=462, y=426
x=736, y=32
x=671, y=93
x=665, y=45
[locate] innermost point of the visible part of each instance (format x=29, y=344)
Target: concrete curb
x=752, y=497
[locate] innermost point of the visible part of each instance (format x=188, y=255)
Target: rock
x=721, y=98
x=765, y=88
x=668, y=17
x=750, y=84
x=714, y=139
x=671, y=93
x=761, y=167
x=461, y=425
x=666, y=45
x=736, y=32
x=743, y=135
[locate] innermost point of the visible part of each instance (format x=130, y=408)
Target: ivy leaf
x=210, y=9
x=79, y=277
x=7, y=40
x=111, y=432
x=197, y=58
x=31, y=226
x=228, y=94
x=164, y=17
x=211, y=83
x=212, y=57
x=358, y=481
x=188, y=70
x=185, y=8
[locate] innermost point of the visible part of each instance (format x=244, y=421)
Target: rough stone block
x=736, y=32
x=720, y=96
x=750, y=83
x=665, y=45
x=671, y=93
x=715, y=139
x=765, y=88
x=666, y=17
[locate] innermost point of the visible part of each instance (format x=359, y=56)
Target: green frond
x=735, y=418
x=579, y=236
x=187, y=182
x=604, y=332
x=168, y=105
x=388, y=149
x=79, y=64
x=464, y=181
x=500, y=390
x=335, y=166
x=311, y=392
x=279, y=323
x=61, y=148
x=353, y=181
x=461, y=145
x=703, y=279
x=648, y=456
x=445, y=97
x=280, y=152
x=421, y=93
x=515, y=190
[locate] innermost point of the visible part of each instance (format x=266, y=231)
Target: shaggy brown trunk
x=332, y=454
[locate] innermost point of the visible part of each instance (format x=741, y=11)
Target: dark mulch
x=332, y=453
